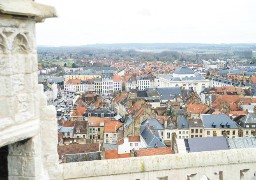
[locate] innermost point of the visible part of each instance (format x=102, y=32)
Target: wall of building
x=232, y=164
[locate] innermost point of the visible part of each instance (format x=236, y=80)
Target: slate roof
x=183, y=70
x=249, y=118
x=142, y=94
x=66, y=129
x=150, y=138
x=217, y=120
x=207, y=144
x=182, y=122
x=168, y=93
x=195, y=123
x=153, y=123
x=242, y=142
x=110, y=147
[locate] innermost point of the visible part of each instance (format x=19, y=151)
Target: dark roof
x=150, y=138
x=168, y=93
x=142, y=94
x=218, y=121
x=195, y=123
x=183, y=70
x=207, y=144
x=242, y=142
x=182, y=122
x=153, y=123
x=249, y=118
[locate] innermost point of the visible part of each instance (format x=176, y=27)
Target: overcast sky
x=82, y=22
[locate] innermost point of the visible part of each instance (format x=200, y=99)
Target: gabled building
x=112, y=131
x=219, y=125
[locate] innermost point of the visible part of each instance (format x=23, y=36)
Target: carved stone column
x=27, y=124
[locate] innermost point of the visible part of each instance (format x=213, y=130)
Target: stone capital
x=28, y=9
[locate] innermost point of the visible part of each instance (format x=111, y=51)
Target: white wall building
x=184, y=79
x=128, y=145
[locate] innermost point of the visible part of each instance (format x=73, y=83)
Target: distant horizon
x=93, y=44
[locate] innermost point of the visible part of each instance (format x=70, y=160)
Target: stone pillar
x=27, y=124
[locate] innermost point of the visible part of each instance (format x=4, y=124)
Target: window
x=98, y=129
x=183, y=132
x=196, y=130
x=130, y=144
x=247, y=132
x=200, y=135
x=253, y=126
x=234, y=132
x=192, y=136
x=89, y=114
x=196, y=135
x=192, y=130
x=168, y=135
x=98, y=136
x=208, y=133
x=90, y=136
x=201, y=131
x=179, y=132
x=68, y=134
x=106, y=135
x=136, y=144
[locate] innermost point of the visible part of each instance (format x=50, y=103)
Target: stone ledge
x=27, y=8
x=20, y=132
x=157, y=163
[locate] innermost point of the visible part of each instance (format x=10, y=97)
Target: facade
x=196, y=82
x=219, y=125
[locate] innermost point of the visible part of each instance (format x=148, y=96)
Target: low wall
x=229, y=164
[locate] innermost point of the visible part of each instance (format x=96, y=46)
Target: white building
x=184, y=78
x=144, y=83
x=129, y=143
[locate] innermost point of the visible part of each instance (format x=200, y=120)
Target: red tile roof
x=113, y=154
x=68, y=123
x=73, y=81
x=154, y=151
x=197, y=108
x=117, y=78
x=134, y=138
x=112, y=126
x=77, y=148
x=97, y=121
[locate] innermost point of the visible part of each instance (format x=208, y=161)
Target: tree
x=170, y=112
x=65, y=65
x=73, y=65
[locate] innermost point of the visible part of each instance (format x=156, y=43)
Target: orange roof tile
x=77, y=148
x=136, y=106
x=68, y=123
x=134, y=138
x=73, y=81
x=117, y=78
x=113, y=154
x=154, y=151
x=97, y=121
x=112, y=126
x=197, y=108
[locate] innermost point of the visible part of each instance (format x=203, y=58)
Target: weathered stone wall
x=232, y=164
x=27, y=125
